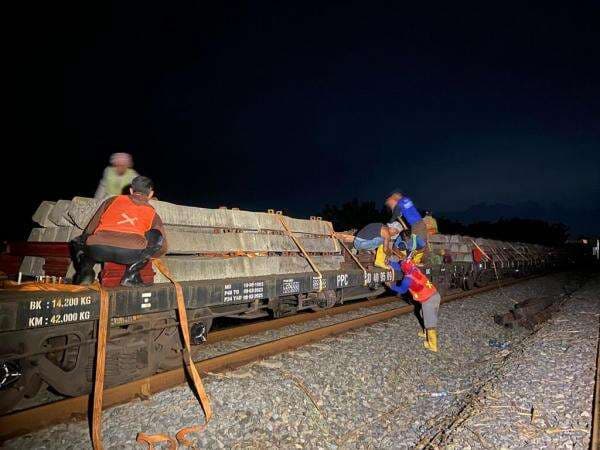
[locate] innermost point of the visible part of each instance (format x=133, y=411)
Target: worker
x=375, y=236
x=117, y=177
x=125, y=230
x=425, y=294
x=403, y=209
x=430, y=223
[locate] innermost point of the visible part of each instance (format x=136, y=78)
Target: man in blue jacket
x=404, y=209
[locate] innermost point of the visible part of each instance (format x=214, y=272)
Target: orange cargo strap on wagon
x=304, y=253
x=185, y=331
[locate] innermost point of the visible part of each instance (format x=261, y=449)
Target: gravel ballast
x=378, y=387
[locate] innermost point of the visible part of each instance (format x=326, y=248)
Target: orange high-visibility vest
x=124, y=216
x=420, y=287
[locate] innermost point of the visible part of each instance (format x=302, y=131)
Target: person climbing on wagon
x=375, y=236
x=425, y=294
x=125, y=230
x=403, y=209
x=116, y=177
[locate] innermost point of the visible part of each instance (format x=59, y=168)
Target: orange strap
x=183, y=324
x=100, y=367
x=180, y=436
x=39, y=286
x=304, y=253
x=481, y=250
x=151, y=439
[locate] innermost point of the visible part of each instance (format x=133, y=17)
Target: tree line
x=356, y=214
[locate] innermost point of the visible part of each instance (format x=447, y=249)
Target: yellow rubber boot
x=422, y=333
x=431, y=342
x=380, y=258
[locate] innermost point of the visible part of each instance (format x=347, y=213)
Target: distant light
x=584, y=241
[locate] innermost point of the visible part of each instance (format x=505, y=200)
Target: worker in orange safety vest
x=125, y=230
x=423, y=293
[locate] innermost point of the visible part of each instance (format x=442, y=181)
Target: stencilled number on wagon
x=57, y=319
x=290, y=286
x=319, y=283
x=65, y=302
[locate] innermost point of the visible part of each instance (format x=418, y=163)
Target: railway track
x=77, y=408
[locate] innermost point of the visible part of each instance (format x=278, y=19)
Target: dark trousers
x=85, y=256
x=107, y=253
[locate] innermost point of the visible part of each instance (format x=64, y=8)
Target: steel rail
x=301, y=317
x=77, y=408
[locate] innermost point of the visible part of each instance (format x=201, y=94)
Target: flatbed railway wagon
x=230, y=263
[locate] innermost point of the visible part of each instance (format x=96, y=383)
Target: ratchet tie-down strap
x=185, y=331
x=304, y=253
x=151, y=440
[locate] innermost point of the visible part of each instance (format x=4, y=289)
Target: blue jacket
x=406, y=208
x=401, y=288
x=411, y=244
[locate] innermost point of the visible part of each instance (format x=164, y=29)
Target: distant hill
x=579, y=221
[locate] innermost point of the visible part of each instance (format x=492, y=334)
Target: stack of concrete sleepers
x=53, y=226
x=439, y=244
x=461, y=248
x=458, y=247
x=222, y=243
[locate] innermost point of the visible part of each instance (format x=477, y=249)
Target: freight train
x=231, y=263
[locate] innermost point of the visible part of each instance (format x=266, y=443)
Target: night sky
x=268, y=105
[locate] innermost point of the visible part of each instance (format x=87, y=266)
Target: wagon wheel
x=19, y=379
x=468, y=281
x=167, y=341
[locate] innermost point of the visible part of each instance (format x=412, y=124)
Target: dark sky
x=269, y=105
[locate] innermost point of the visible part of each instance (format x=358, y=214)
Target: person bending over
x=116, y=177
x=125, y=230
x=375, y=236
